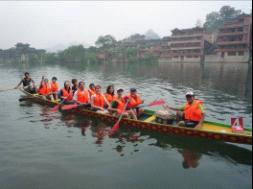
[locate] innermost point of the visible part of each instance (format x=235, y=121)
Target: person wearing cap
x=54, y=88
x=192, y=112
x=134, y=101
x=28, y=84
x=119, y=106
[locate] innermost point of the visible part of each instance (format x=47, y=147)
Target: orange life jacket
x=45, y=89
x=121, y=104
x=110, y=97
x=99, y=100
x=83, y=96
x=54, y=87
x=192, y=111
x=134, y=101
x=67, y=94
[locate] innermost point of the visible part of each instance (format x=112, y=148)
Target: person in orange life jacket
x=92, y=89
x=98, y=100
x=118, y=105
x=191, y=159
x=109, y=95
x=66, y=93
x=74, y=85
x=45, y=88
x=134, y=101
x=82, y=96
x=192, y=112
x=28, y=84
x=54, y=88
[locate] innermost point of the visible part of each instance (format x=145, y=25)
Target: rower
x=109, y=95
x=192, y=113
x=45, y=89
x=92, y=89
x=74, y=85
x=82, y=96
x=66, y=93
x=118, y=106
x=134, y=101
x=98, y=100
x=54, y=87
x=28, y=84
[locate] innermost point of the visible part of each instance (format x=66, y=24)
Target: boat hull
x=167, y=129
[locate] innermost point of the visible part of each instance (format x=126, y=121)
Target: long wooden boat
x=210, y=130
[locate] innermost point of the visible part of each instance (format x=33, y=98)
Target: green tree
x=105, y=41
x=214, y=20
x=74, y=54
x=227, y=12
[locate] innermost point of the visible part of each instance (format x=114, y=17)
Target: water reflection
x=190, y=158
x=191, y=150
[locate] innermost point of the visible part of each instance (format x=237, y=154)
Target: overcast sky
x=47, y=24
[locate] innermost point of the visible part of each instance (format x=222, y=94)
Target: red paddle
x=154, y=103
x=157, y=103
x=69, y=107
x=116, y=126
x=55, y=109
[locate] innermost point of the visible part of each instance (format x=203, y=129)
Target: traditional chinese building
x=234, y=39
x=186, y=45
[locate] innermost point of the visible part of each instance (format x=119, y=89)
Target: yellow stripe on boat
x=218, y=129
x=214, y=128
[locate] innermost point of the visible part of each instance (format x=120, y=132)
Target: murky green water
x=39, y=149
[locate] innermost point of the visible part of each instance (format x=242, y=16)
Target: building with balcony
x=186, y=45
x=234, y=41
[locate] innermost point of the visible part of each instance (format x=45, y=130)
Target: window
x=232, y=53
x=241, y=53
x=240, y=30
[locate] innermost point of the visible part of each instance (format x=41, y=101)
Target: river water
x=39, y=149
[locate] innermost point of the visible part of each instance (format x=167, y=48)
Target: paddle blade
x=114, y=128
x=55, y=109
x=157, y=103
x=69, y=107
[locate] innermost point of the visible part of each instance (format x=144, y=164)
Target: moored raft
x=210, y=130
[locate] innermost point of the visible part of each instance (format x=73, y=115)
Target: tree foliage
x=214, y=20
x=105, y=41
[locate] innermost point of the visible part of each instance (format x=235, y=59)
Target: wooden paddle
x=4, y=90
x=25, y=99
x=116, y=126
